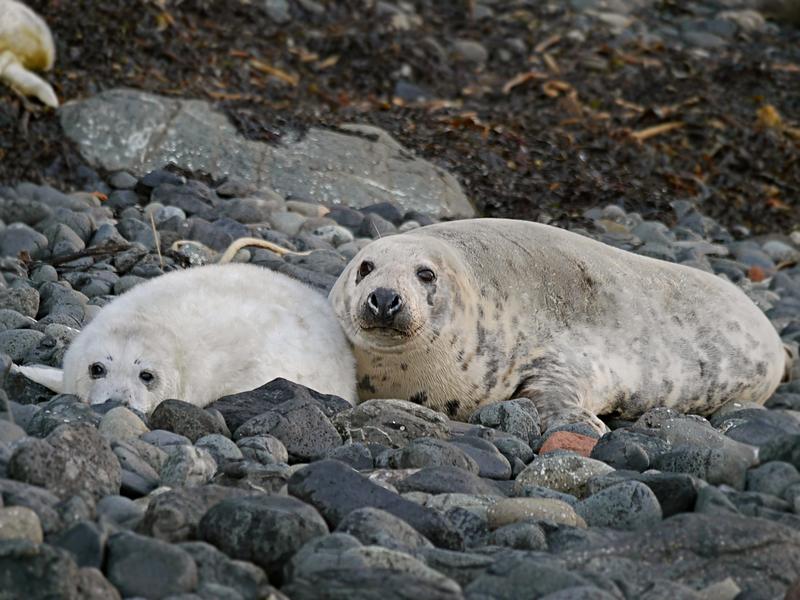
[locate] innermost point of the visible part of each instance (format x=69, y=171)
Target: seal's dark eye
x=97, y=371
x=426, y=275
x=364, y=269
x=147, y=377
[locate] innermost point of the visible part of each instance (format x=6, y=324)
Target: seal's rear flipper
x=49, y=377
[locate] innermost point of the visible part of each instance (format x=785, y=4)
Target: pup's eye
x=147, y=377
x=426, y=275
x=97, y=371
x=364, y=269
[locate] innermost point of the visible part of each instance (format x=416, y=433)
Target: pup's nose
x=384, y=304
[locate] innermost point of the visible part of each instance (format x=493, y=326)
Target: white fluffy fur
x=204, y=333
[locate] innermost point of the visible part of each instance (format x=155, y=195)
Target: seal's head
x=128, y=364
x=398, y=290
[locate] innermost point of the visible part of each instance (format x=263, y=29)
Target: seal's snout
x=383, y=305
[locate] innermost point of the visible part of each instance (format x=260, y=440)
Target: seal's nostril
x=372, y=302
x=395, y=305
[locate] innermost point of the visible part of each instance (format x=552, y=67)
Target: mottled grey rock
x=337, y=567
x=301, y=425
x=38, y=499
x=20, y=523
x=365, y=167
x=518, y=417
x=264, y=449
x=188, y=466
x=238, y=408
x=375, y=527
x=73, y=459
x=712, y=465
x=29, y=570
x=262, y=529
x=440, y=480
x=221, y=448
x=121, y=423
x=676, y=492
x=391, y=422
x=515, y=510
x=173, y=516
x=142, y=566
x=24, y=300
x=120, y=510
x=564, y=473
x=504, y=579
x=520, y=536
x=214, y=567
x=63, y=409
x=185, y=419
x=18, y=238
x=627, y=505
x=18, y=343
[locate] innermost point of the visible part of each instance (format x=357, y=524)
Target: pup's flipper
x=49, y=377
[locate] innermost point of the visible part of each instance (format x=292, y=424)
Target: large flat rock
x=125, y=129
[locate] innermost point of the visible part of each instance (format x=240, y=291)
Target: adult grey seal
x=203, y=333
x=460, y=314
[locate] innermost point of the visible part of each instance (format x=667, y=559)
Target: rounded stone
x=627, y=505
x=122, y=424
x=20, y=523
x=514, y=510
x=564, y=473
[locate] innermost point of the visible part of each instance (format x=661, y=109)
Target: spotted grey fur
x=521, y=309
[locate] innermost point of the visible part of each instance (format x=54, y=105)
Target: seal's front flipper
x=558, y=407
x=49, y=377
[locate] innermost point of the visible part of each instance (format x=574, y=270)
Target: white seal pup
x=460, y=314
x=203, y=333
x=25, y=43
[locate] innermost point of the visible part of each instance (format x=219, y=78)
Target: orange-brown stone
x=566, y=440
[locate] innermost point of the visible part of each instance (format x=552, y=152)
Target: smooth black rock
x=238, y=408
x=142, y=566
x=185, y=419
x=491, y=463
x=86, y=541
x=375, y=226
x=443, y=480
x=676, y=492
x=336, y=490
x=626, y=505
x=174, y=515
x=301, y=425
x=346, y=216
x=762, y=428
x=427, y=452
x=265, y=530
x=356, y=455
x=73, y=459
x=389, y=211
x=629, y=449
x=772, y=478
x=29, y=570
x=375, y=527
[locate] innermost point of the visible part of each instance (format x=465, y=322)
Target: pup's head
x=397, y=290
x=134, y=365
